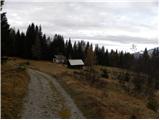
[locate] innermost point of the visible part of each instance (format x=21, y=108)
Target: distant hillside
x=138, y=54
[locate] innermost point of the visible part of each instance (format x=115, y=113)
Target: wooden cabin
x=75, y=63
x=59, y=59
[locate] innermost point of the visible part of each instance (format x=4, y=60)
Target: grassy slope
x=14, y=84
x=111, y=101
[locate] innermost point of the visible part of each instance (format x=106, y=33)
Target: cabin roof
x=76, y=62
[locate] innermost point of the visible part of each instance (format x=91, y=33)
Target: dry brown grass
x=65, y=113
x=110, y=101
x=14, y=84
x=114, y=104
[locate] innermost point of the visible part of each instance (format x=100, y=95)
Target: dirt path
x=47, y=99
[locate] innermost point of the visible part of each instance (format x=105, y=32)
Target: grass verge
x=14, y=85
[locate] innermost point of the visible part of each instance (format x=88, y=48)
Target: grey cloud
x=136, y=40
x=121, y=39
x=69, y=18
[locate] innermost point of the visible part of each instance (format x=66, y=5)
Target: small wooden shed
x=75, y=63
x=59, y=59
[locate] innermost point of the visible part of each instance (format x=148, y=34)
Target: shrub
x=4, y=59
x=139, y=83
x=27, y=63
x=21, y=67
x=100, y=83
x=153, y=104
x=91, y=76
x=127, y=77
x=105, y=73
x=120, y=77
x=123, y=77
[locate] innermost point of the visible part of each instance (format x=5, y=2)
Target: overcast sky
x=115, y=24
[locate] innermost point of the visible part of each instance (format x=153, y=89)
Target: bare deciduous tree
x=90, y=61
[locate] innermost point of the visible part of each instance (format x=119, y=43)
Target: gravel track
x=46, y=98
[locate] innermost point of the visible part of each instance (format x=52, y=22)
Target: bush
x=101, y=83
x=153, y=104
x=120, y=77
x=123, y=77
x=27, y=63
x=105, y=73
x=139, y=84
x=127, y=77
x=4, y=59
x=21, y=67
